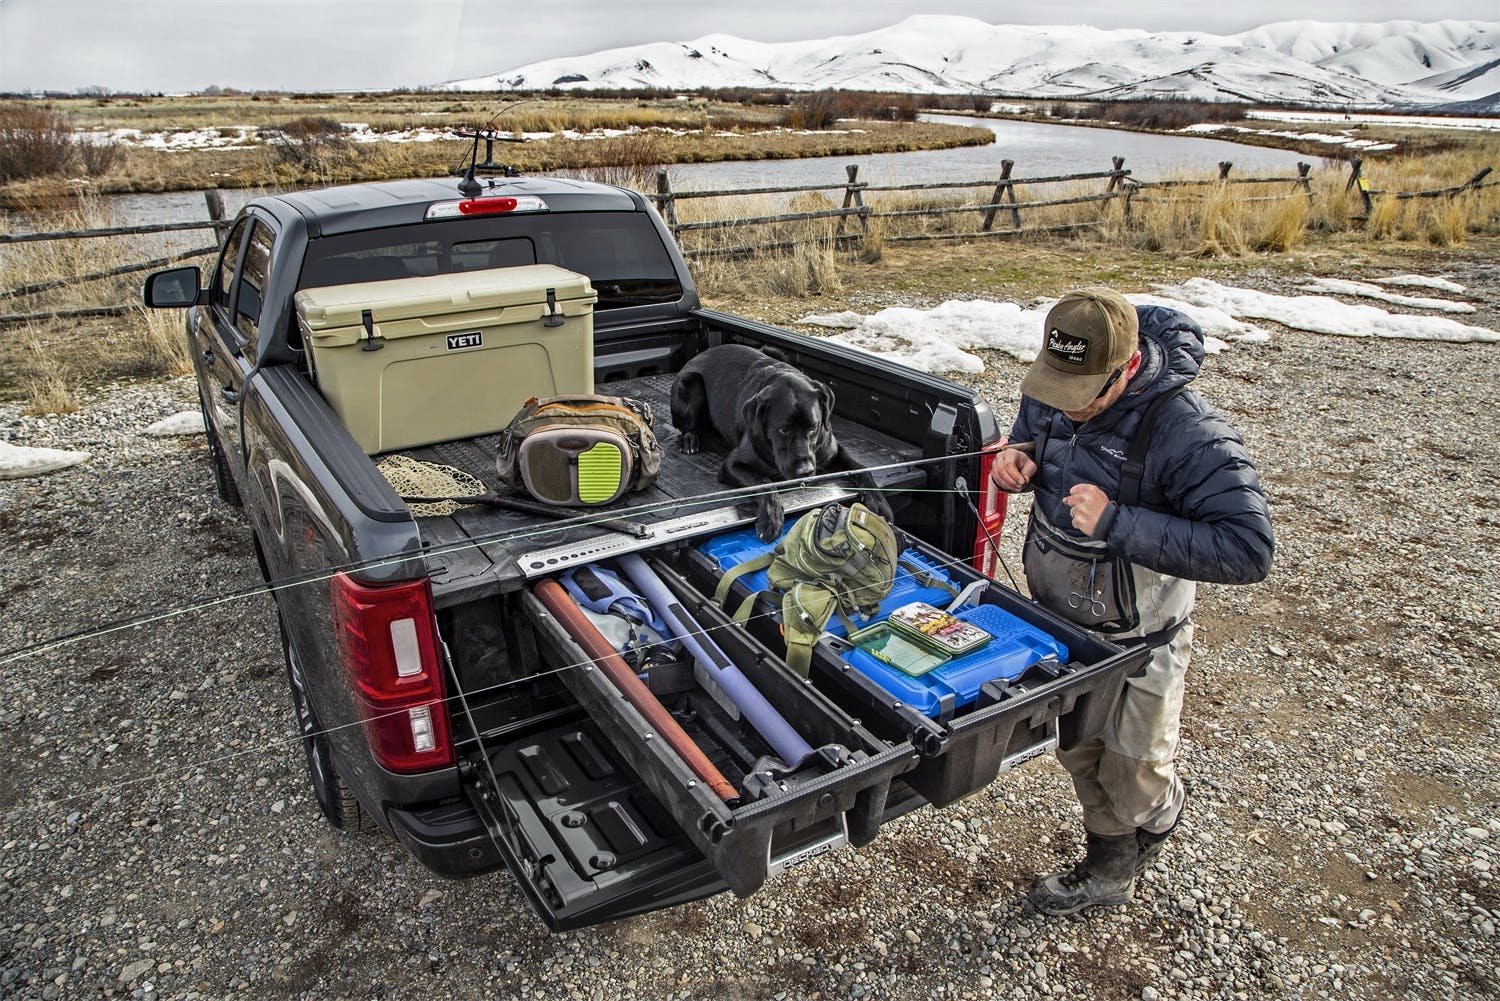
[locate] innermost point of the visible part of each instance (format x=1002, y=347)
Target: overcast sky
x=175, y=45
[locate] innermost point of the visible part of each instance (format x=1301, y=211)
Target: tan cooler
x=412, y=361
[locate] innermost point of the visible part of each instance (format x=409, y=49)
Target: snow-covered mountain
x=1393, y=62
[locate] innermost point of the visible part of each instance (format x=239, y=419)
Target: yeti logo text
x=1073, y=350
x=473, y=339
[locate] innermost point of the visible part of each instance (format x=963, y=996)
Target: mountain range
x=1391, y=63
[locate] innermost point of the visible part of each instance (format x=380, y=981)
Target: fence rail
x=1121, y=186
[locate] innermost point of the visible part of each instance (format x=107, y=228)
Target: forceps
x=1090, y=601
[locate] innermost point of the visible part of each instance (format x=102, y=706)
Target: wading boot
x=1149, y=844
x=1105, y=878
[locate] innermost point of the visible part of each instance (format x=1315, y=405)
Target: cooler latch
x=373, y=341
x=553, y=320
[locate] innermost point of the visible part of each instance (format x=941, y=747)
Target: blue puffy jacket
x=1201, y=514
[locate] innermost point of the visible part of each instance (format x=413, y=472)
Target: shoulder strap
x=1135, y=460
x=734, y=573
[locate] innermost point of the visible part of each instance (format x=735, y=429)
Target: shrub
x=315, y=142
x=816, y=110
x=99, y=158
x=34, y=142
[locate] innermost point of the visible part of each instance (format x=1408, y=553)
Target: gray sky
x=174, y=45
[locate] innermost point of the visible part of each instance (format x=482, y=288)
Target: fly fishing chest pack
x=579, y=450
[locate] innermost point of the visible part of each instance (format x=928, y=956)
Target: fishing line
x=459, y=696
x=475, y=542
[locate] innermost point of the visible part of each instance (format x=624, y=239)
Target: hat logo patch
x=1066, y=347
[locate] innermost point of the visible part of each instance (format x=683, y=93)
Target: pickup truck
x=437, y=700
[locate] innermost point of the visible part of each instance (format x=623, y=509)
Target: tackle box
x=411, y=361
x=1056, y=691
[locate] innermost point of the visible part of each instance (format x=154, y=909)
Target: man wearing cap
x=1141, y=490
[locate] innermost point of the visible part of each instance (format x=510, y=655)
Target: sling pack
x=833, y=560
x=1078, y=578
x=579, y=450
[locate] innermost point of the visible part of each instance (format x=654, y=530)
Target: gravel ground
x=1340, y=735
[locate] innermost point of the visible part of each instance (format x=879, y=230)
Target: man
x=1121, y=554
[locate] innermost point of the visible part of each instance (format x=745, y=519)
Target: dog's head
x=788, y=423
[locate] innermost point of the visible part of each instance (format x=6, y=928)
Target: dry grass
x=164, y=340
x=43, y=386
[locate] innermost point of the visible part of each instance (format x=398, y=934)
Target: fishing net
x=413, y=478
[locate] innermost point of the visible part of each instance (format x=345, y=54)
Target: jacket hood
x=1171, y=354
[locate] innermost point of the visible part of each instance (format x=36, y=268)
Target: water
x=1038, y=150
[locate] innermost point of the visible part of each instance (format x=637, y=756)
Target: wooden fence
x=852, y=217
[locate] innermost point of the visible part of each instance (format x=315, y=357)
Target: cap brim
x=1061, y=390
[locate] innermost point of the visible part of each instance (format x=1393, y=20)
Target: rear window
x=621, y=252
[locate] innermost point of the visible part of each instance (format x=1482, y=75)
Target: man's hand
x=1086, y=503
x=1012, y=470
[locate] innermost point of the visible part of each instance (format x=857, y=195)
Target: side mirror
x=175, y=288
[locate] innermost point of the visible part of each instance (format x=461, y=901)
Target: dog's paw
x=876, y=502
x=769, y=518
x=688, y=442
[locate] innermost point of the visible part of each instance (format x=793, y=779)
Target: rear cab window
x=621, y=253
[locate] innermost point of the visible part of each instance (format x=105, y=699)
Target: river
x=1038, y=149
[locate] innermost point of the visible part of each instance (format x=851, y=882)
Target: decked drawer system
x=600, y=818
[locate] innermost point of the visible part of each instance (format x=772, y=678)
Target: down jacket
x=1201, y=514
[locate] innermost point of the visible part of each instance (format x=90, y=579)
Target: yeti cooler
x=413, y=361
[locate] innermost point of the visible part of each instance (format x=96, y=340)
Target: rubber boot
x=1105, y=878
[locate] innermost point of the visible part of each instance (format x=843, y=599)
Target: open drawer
x=599, y=817
x=963, y=747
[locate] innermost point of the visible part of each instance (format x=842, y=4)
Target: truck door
x=227, y=338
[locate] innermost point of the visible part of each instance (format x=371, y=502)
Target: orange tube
x=561, y=604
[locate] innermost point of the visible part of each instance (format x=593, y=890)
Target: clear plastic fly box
x=411, y=361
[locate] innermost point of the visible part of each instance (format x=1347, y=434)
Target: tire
x=339, y=805
x=229, y=493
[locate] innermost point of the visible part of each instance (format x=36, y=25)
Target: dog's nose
x=803, y=469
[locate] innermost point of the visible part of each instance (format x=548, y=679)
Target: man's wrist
x=1106, y=519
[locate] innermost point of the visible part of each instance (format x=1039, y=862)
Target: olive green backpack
x=834, y=559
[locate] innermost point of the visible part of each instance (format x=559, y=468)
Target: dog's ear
x=825, y=398
x=752, y=412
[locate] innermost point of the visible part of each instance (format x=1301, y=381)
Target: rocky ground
x=1342, y=840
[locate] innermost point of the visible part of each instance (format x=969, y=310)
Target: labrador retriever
x=775, y=421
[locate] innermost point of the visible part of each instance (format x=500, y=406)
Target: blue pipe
x=770, y=724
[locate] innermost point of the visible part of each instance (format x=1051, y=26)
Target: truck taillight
x=991, y=514
x=388, y=641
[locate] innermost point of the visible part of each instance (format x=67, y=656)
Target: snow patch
x=17, y=461
x=187, y=422
x=1341, y=286
x=1323, y=315
x=1422, y=281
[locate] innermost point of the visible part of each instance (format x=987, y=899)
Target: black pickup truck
x=437, y=699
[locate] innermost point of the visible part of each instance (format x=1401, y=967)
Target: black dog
x=776, y=420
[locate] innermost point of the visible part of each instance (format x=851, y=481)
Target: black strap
x=1135, y=460
x=1159, y=638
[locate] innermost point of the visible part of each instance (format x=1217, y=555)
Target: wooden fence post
x=1357, y=180
x=1303, y=181
x=668, y=204
x=1117, y=182
x=215, y=202
x=1472, y=184
x=1224, y=166
x=852, y=199
x=1004, y=188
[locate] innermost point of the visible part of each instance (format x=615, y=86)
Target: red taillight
x=991, y=514
x=388, y=640
x=480, y=206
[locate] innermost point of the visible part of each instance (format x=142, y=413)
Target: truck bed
x=474, y=551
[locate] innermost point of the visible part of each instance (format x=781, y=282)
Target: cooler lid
x=335, y=306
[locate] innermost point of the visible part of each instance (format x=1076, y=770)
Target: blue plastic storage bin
x=733, y=548
x=1016, y=646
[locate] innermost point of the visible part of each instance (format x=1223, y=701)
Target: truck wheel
x=338, y=804
x=223, y=479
